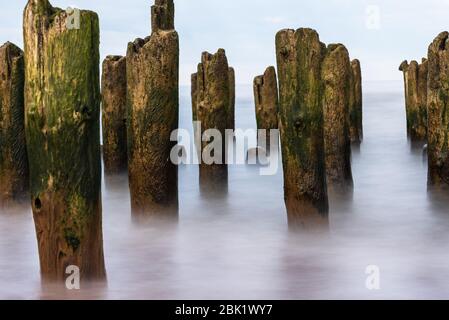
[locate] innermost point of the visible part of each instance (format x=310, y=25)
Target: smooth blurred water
x=239, y=247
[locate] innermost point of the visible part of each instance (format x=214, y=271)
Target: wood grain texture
x=13, y=155
x=336, y=73
x=266, y=99
x=113, y=92
x=62, y=109
x=438, y=111
x=299, y=58
x=152, y=66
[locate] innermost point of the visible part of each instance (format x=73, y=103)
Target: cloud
x=275, y=20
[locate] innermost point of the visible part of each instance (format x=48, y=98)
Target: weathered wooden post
x=212, y=106
x=267, y=103
x=423, y=70
x=403, y=67
x=299, y=57
x=152, y=66
x=194, y=94
x=163, y=15
x=336, y=73
x=62, y=110
x=231, y=109
x=416, y=113
x=114, y=114
x=14, y=177
x=438, y=111
x=356, y=103
x=196, y=129
x=415, y=83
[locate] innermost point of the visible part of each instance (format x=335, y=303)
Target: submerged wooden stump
x=438, y=111
x=299, y=57
x=415, y=111
x=114, y=114
x=152, y=66
x=212, y=106
x=62, y=110
x=356, y=103
x=14, y=177
x=231, y=109
x=336, y=73
x=267, y=104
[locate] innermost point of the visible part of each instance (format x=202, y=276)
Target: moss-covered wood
x=438, y=111
x=113, y=89
x=62, y=110
x=356, y=103
x=267, y=103
x=153, y=107
x=336, y=73
x=231, y=109
x=212, y=106
x=299, y=58
x=415, y=110
x=13, y=154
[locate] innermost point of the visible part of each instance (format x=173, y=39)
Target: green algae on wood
x=336, y=73
x=299, y=58
x=113, y=89
x=356, y=103
x=267, y=103
x=13, y=155
x=438, y=111
x=152, y=67
x=62, y=110
x=212, y=106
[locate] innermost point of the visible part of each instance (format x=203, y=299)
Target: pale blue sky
x=246, y=29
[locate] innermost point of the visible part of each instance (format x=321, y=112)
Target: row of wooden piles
x=427, y=102
x=318, y=109
x=213, y=107
x=50, y=129
x=50, y=125
x=320, y=113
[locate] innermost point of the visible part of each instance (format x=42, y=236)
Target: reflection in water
x=303, y=216
x=240, y=247
x=213, y=184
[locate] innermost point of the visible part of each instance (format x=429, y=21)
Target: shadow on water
x=116, y=183
x=438, y=199
x=355, y=147
x=341, y=201
x=216, y=190
x=418, y=147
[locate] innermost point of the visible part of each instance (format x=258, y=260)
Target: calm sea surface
x=239, y=247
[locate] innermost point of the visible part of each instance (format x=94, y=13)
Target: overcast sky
x=380, y=33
